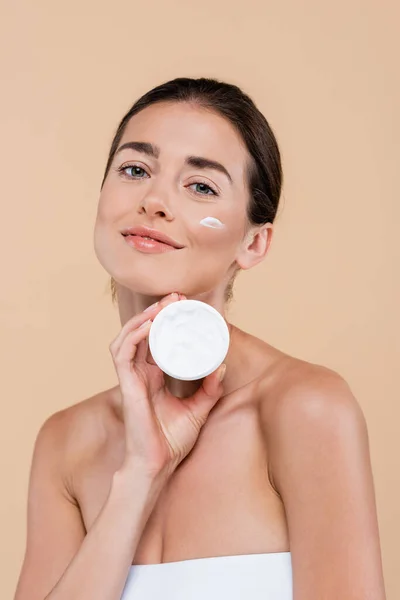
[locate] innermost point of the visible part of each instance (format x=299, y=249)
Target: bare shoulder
x=83, y=421
x=309, y=406
x=319, y=464
x=75, y=432
x=291, y=391
x=308, y=393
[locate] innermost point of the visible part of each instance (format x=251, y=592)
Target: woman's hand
x=160, y=428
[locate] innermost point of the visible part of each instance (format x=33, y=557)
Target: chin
x=158, y=285
x=158, y=278
x=150, y=284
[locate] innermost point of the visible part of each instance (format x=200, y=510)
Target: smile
x=148, y=245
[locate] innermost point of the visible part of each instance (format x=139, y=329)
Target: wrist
x=131, y=478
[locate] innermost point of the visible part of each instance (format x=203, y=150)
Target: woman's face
x=163, y=189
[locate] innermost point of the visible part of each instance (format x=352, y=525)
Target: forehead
x=182, y=129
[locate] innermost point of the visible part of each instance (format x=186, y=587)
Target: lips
x=153, y=234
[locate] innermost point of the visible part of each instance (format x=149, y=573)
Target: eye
x=205, y=189
x=205, y=186
x=135, y=169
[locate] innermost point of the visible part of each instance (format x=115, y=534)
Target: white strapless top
x=247, y=576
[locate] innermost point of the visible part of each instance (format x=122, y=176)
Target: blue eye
x=206, y=190
x=204, y=185
x=123, y=169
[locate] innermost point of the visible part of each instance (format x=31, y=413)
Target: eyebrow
x=199, y=162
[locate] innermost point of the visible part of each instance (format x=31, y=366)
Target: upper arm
x=320, y=465
x=54, y=526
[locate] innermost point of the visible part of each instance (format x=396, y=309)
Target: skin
x=283, y=458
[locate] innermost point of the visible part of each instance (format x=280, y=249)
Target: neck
x=132, y=303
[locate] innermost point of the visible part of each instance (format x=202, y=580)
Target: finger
x=127, y=352
x=142, y=350
x=155, y=308
x=143, y=354
x=139, y=319
x=205, y=398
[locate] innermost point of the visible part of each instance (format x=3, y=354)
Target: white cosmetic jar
x=189, y=339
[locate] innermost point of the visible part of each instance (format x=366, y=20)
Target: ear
x=255, y=246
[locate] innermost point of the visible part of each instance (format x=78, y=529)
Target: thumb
x=208, y=394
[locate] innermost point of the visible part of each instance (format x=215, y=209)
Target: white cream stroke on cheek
x=212, y=222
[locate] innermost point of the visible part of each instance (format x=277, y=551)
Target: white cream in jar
x=189, y=339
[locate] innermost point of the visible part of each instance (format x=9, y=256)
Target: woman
x=257, y=486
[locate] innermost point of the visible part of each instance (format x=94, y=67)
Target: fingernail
x=175, y=294
x=152, y=306
x=145, y=323
x=222, y=372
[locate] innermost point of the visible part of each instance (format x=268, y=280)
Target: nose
x=153, y=204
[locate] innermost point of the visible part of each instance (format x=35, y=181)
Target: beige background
x=325, y=74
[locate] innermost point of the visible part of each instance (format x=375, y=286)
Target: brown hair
x=264, y=176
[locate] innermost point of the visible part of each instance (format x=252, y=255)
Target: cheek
x=104, y=207
x=221, y=231
x=114, y=201
x=104, y=230
x=212, y=223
